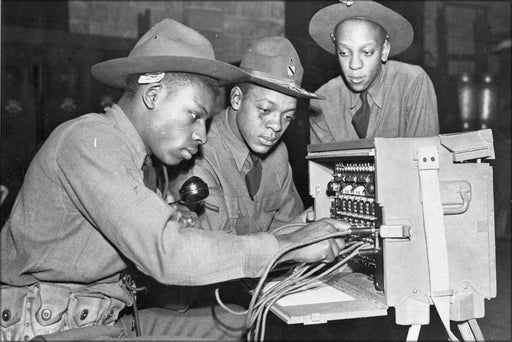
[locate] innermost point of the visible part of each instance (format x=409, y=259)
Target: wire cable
x=300, y=277
x=255, y=309
x=306, y=284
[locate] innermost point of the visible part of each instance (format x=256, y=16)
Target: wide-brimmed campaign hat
x=169, y=46
x=324, y=21
x=273, y=63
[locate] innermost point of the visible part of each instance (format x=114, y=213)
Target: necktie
x=362, y=117
x=149, y=173
x=253, y=177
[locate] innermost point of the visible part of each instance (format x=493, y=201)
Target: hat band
x=267, y=77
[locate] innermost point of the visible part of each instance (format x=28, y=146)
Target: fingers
x=325, y=250
x=184, y=216
x=169, y=198
x=338, y=225
x=190, y=222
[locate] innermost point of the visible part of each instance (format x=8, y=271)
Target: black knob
x=193, y=190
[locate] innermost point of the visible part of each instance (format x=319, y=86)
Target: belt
x=46, y=308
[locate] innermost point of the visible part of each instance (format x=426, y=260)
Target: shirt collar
x=375, y=92
x=126, y=127
x=233, y=138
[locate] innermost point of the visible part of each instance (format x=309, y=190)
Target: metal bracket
x=437, y=251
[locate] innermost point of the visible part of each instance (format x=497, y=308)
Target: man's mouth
x=268, y=141
x=188, y=153
x=356, y=80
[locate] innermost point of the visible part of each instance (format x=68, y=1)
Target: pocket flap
x=234, y=208
x=12, y=304
x=272, y=201
x=51, y=303
x=111, y=314
x=86, y=309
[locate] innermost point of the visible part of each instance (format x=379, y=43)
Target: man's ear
x=385, y=51
x=151, y=93
x=235, y=97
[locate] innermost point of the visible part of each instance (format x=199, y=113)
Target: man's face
x=175, y=127
x=263, y=116
x=361, y=52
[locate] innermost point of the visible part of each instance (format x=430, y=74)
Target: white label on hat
x=291, y=70
x=151, y=78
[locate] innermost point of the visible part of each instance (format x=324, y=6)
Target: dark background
x=45, y=80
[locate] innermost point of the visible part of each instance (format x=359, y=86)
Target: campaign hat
x=323, y=23
x=273, y=63
x=168, y=46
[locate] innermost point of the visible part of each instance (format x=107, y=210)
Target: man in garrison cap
x=374, y=96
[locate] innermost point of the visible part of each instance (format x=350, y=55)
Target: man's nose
x=274, y=122
x=356, y=62
x=199, y=134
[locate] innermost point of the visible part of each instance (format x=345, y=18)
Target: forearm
x=191, y=256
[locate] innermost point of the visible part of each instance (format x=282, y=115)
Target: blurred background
x=48, y=47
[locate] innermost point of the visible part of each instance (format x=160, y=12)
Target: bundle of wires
x=301, y=277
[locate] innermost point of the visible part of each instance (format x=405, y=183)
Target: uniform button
x=83, y=314
x=6, y=315
x=46, y=314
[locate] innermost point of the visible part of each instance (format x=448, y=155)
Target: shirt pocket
x=236, y=212
x=271, y=202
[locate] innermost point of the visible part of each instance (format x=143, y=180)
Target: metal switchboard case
x=430, y=201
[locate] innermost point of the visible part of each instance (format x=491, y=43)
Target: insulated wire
x=250, y=319
x=277, y=257
x=297, y=281
x=309, y=283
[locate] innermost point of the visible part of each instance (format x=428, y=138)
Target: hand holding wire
x=324, y=250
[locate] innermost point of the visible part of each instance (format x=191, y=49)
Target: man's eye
x=290, y=117
x=368, y=53
x=264, y=110
x=343, y=53
x=194, y=116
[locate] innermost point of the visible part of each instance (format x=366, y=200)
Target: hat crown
x=171, y=38
x=324, y=21
x=273, y=57
x=168, y=46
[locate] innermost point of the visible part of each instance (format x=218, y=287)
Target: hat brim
x=114, y=72
x=284, y=88
x=324, y=21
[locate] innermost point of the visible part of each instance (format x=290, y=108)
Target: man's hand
x=325, y=250
x=184, y=215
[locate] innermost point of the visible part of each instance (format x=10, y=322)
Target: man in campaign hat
x=244, y=161
x=374, y=96
x=89, y=208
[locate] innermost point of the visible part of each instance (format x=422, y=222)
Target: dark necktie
x=149, y=173
x=253, y=177
x=362, y=117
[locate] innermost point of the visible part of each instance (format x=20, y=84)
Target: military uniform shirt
x=83, y=210
x=223, y=165
x=402, y=101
